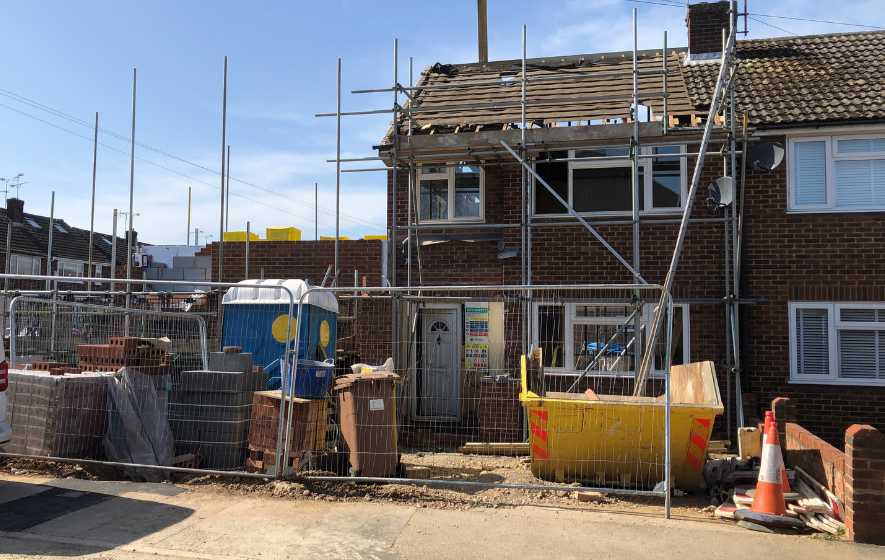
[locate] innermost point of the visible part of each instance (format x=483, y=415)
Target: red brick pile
x=123, y=351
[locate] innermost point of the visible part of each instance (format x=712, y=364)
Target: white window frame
x=62, y=262
x=834, y=325
x=13, y=264
x=568, y=369
x=646, y=168
x=449, y=175
x=831, y=143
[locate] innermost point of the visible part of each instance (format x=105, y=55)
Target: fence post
x=784, y=411
x=865, y=484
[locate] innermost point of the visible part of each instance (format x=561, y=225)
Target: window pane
x=854, y=315
x=810, y=172
x=812, y=339
x=860, y=145
x=858, y=354
x=667, y=179
x=860, y=182
x=467, y=192
x=551, y=326
x=597, y=152
x=602, y=189
x=590, y=343
x=434, y=199
x=556, y=175
x=616, y=311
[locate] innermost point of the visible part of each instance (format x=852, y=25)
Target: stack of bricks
x=54, y=368
x=500, y=413
x=210, y=410
x=309, y=419
x=56, y=415
x=123, y=352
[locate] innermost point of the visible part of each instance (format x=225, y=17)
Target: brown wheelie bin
x=367, y=413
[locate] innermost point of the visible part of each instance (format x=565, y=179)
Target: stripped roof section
x=802, y=80
x=602, y=86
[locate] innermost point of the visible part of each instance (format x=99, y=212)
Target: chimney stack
x=482, y=30
x=15, y=210
x=705, y=21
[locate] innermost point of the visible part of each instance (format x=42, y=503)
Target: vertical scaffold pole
x=634, y=175
x=337, y=170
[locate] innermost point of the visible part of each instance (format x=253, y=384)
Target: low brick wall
x=856, y=475
x=816, y=457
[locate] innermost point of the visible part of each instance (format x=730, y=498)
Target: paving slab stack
x=210, y=410
x=57, y=415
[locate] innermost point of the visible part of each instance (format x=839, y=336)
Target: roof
x=437, y=106
x=803, y=80
x=274, y=294
x=31, y=237
x=789, y=80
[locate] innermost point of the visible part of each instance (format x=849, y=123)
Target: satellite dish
x=766, y=156
x=721, y=192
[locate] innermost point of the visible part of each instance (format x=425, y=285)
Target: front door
x=438, y=387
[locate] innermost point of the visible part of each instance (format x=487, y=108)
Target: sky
x=61, y=62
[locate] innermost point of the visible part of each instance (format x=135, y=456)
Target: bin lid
x=253, y=293
x=347, y=380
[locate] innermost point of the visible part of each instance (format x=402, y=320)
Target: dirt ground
x=440, y=466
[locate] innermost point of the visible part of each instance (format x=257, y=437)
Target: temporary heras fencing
x=474, y=386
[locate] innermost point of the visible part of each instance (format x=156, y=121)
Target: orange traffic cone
x=769, y=495
x=785, y=481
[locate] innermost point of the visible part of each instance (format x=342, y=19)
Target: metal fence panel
x=453, y=402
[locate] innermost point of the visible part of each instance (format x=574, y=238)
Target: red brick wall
x=794, y=257
x=299, y=259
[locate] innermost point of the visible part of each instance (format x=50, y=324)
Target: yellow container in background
x=615, y=440
x=332, y=238
x=282, y=234
x=375, y=237
x=240, y=236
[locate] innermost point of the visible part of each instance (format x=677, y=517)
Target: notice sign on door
x=476, y=339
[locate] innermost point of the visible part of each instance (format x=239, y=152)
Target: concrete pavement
x=46, y=518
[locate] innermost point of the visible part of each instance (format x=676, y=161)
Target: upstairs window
x=450, y=193
x=604, y=186
x=837, y=343
x=837, y=173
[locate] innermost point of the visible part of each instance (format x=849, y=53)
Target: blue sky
x=77, y=58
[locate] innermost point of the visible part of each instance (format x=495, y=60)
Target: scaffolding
x=522, y=146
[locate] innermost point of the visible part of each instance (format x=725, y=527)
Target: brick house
x=70, y=248
x=812, y=284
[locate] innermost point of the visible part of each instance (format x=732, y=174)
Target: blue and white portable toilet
x=257, y=320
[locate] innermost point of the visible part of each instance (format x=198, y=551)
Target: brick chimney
x=705, y=21
x=15, y=210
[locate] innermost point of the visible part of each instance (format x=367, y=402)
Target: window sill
x=615, y=214
x=840, y=382
x=834, y=210
x=452, y=221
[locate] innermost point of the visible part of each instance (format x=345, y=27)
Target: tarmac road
x=52, y=518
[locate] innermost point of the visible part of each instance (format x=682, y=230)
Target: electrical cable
x=61, y=114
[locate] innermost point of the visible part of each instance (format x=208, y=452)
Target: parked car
x=5, y=429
